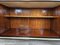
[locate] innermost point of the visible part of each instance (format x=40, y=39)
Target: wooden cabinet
x=29, y=22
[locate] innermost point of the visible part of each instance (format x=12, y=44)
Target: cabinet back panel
x=32, y=23
x=31, y=12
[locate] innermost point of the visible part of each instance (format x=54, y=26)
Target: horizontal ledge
x=31, y=16
x=27, y=38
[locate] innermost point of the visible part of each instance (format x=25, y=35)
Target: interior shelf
x=8, y=16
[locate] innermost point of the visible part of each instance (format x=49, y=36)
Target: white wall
x=27, y=42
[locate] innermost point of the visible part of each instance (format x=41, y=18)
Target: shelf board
x=29, y=38
x=31, y=16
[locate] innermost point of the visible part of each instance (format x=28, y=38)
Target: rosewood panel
x=2, y=25
x=56, y=22
x=31, y=12
x=35, y=27
x=3, y=21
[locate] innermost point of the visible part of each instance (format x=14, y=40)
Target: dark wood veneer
x=34, y=27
